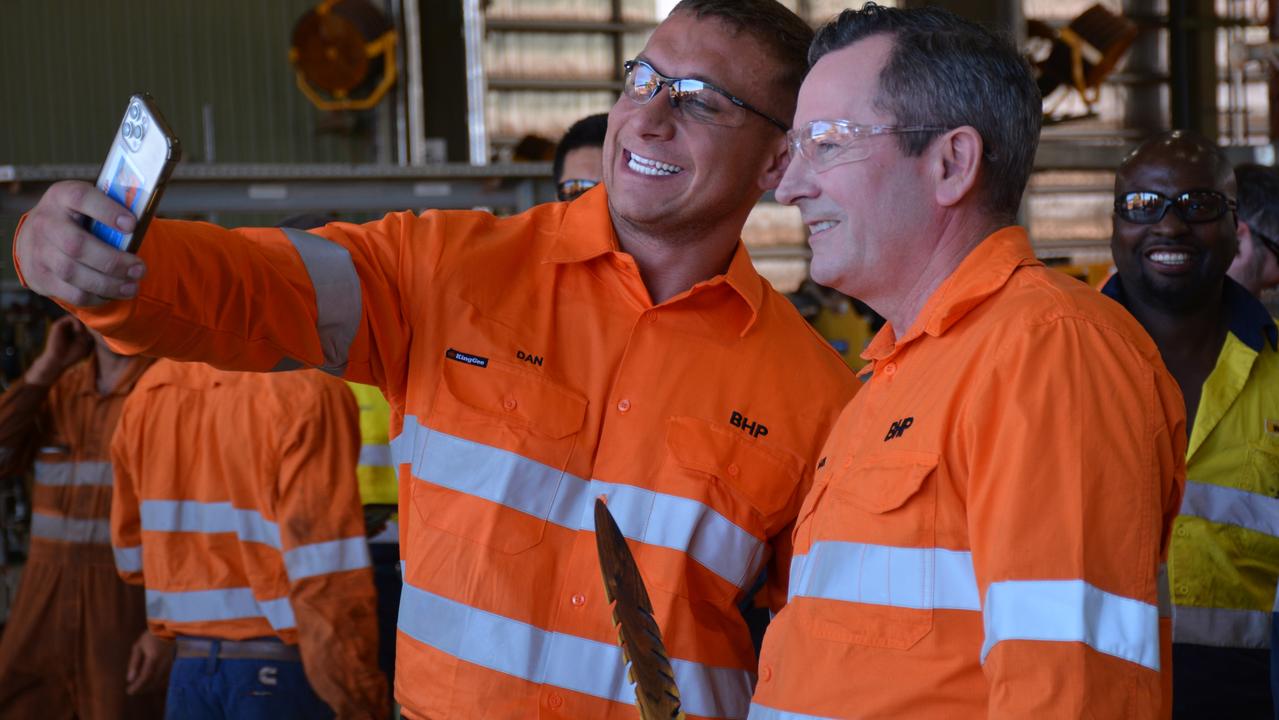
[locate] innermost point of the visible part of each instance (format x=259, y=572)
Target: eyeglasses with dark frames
x=1146, y=207
x=695, y=99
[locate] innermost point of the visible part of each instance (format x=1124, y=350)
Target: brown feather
x=656, y=694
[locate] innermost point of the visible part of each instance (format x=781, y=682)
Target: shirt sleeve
x=326, y=555
x=1076, y=446
x=126, y=520
x=24, y=420
x=272, y=298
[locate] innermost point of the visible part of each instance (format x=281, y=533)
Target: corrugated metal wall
x=67, y=68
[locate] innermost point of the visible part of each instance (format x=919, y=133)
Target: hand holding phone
x=138, y=165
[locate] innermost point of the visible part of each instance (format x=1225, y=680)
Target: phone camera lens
x=134, y=111
x=128, y=130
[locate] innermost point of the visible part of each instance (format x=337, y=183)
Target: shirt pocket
x=1263, y=463
x=494, y=456
x=733, y=494
x=880, y=592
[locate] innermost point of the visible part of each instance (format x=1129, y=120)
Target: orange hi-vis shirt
x=528, y=373
x=989, y=515
x=63, y=434
x=237, y=507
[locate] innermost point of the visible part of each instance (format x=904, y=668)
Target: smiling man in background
x=1174, y=237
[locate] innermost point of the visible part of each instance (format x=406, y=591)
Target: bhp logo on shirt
x=752, y=428
x=898, y=428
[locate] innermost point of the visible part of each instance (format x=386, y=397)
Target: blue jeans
x=220, y=689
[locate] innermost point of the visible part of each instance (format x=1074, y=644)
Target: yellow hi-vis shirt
x=376, y=472
x=1224, y=561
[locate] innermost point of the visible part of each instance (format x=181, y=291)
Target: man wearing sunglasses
x=1174, y=237
x=1256, y=267
x=621, y=345
x=579, y=157
x=989, y=514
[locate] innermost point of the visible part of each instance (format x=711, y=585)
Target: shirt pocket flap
x=766, y=477
x=883, y=482
x=517, y=397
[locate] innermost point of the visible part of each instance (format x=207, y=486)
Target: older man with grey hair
x=1256, y=266
x=989, y=514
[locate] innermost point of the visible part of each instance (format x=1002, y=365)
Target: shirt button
x=554, y=700
x=578, y=599
x=1181, y=532
x=1183, y=589
x=890, y=369
x=509, y=404
x=766, y=673
x=848, y=461
x=652, y=317
x=623, y=405
x=733, y=470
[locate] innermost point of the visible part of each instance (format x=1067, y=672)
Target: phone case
x=141, y=159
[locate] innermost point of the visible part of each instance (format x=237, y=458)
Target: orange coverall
x=66, y=645
x=529, y=373
x=237, y=507
x=989, y=514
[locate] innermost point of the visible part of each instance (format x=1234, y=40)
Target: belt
x=237, y=649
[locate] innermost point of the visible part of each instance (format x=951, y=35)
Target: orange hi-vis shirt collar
x=983, y=273
x=581, y=238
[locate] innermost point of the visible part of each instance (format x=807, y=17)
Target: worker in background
x=237, y=508
x=621, y=345
x=1174, y=238
x=76, y=643
x=579, y=157
x=1256, y=267
x=990, y=511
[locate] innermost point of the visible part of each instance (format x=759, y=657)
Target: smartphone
x=140, y=161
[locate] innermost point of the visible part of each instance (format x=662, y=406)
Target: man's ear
x=1243, y=235
x=776, y=163
x=957, y=158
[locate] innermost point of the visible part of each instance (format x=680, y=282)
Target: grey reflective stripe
x=94, y=473
x=509, y=479
x=1163, y=591
x=69, y=529
x=908, y=577
x=553, y=658
x=128, y=559
x=337, y=295
x=1221, y=627
x=215, y=605
x=1231, y=506
x=279, y=613
x=375, y=455
x=763, y=712
x=1071, y=611
x=202, y=517
x=327, y=557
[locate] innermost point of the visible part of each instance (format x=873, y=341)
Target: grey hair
x=1258, y=188
x=946, y=71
